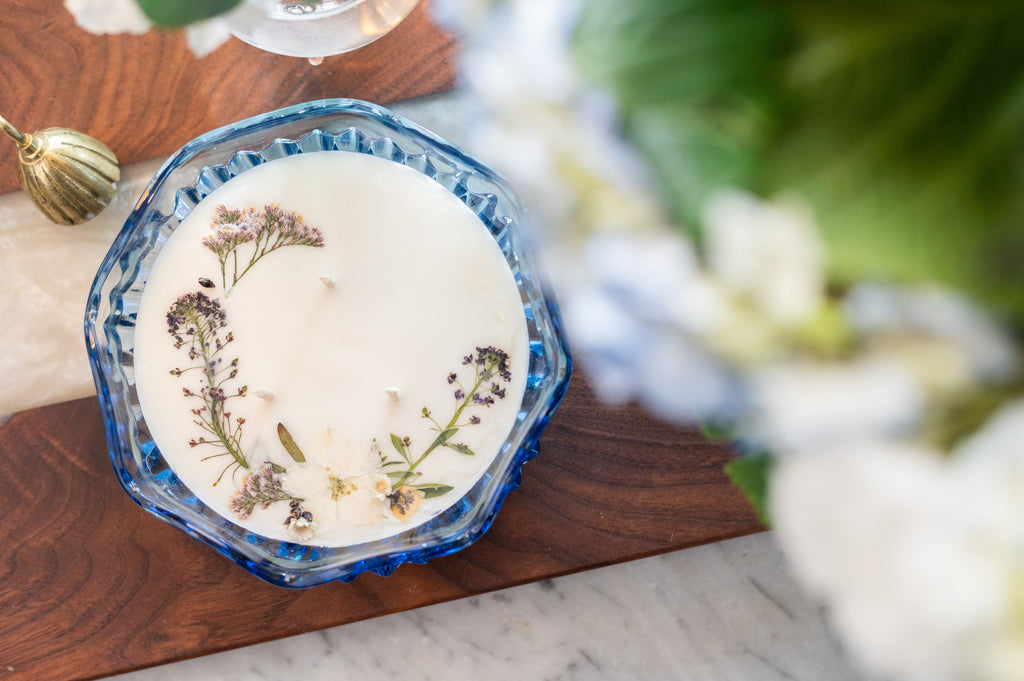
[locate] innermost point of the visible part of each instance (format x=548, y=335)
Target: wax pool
x=353, y=381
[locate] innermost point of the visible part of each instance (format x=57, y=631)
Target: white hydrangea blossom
x=919, y=555
x=808, y=405
x=108, y=16
x=203, y=37
x=949, y=343
x=920, y=558
x=770, y=254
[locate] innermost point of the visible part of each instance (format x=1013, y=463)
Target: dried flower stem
x=268, y=230
x=195, y=320
x=490, y=365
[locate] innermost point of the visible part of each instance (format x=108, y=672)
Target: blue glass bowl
x=192, y=173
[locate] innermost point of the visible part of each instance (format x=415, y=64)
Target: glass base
x=316, y=28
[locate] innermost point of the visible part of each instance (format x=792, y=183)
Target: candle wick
x=392, y=393
x=264, y=395
x=327, y=280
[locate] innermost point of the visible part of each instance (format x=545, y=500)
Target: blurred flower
x=975, y=349
x=635, y=314
x=125, y=16
x=768, y=254
x=920, y=558
x=854, y=330
x=802, y=406
x=108, y=16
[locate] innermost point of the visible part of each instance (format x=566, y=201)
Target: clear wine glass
x=316, y=28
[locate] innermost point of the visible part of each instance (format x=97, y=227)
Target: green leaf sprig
x=490, y=366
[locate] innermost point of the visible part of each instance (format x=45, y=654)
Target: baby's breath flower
x=266, y=229
x=261, y=488
x=196, y=320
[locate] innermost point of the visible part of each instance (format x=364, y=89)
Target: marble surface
x=725, y=611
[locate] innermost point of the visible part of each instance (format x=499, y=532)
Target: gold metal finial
x=70, y=176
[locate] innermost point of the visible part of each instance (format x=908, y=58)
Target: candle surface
x=330, y=349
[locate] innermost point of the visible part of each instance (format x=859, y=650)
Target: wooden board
x=91, y=585
x=146, y=95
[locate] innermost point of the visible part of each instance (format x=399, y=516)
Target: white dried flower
x=338, y=483
x=304, y=529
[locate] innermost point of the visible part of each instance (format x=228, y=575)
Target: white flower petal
x=986, y=351
x=108, y=16
x=204, y=37
x=770, y=254
x=921, y=585
x=800, y=407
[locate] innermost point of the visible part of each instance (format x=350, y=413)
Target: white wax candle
x=347, y=338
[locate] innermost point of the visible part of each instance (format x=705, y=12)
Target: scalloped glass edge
x=183, y=180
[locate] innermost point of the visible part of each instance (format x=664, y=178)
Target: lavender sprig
x=490, y=365
x=268, y=229
x=260, y=488
x=196, y=320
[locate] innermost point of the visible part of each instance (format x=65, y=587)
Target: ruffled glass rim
x=186, y=178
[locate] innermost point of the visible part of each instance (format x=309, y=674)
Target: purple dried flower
x=491, y=365
x=267, y=229
x=260, y=488
x=196, y=320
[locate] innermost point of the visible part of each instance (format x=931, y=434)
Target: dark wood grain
x=144, y=96
x=91, y=585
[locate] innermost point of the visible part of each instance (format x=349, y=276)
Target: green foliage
x=901, y=122
x=401, y=447
x=696, y=80
x=751, y=475
x=431, y=491
x=179, y=13
x=907, y=136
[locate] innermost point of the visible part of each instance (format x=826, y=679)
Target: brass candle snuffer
x=70, y=176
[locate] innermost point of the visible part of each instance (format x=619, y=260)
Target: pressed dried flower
x=259, y=489
x=491, y=365
x=197, y=320
x=267, y=229
x=405, y=501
